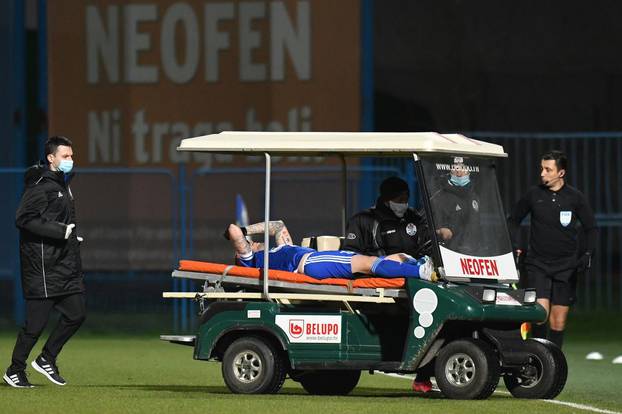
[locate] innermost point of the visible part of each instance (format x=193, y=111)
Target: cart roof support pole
x=344, y=194
x=266, y=233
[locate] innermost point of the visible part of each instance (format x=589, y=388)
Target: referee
x=559, y=214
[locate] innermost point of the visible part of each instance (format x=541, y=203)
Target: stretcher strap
x=224, y=273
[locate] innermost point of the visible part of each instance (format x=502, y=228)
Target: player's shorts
x=326, y=264
x=556, y=281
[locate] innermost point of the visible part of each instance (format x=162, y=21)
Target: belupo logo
x=296, y=327
x=325, y=329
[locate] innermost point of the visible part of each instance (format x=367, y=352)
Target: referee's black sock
x=539, y=331
x=557, y=337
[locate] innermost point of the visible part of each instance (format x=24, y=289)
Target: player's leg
x=331, y=263
x=392, y=266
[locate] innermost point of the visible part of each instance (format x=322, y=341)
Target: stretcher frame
x=294, y=291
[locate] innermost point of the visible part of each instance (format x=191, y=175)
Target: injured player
x=321, y=265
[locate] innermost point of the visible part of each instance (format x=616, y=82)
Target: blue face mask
x=460, y=181
x=65, y=166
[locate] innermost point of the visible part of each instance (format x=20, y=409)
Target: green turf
x=143, y=374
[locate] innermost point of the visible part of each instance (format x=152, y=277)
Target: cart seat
x=322, y=243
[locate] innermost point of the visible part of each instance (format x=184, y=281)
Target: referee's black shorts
x=555, y=280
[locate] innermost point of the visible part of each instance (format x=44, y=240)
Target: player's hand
x=80, y=239
x=68, y=230
x=226, y=233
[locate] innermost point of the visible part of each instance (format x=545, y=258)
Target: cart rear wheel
x=329, y=382
x=467, y=369
x=543, y=377
x=251, y=365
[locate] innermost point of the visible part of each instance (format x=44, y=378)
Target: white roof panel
x=347, y=143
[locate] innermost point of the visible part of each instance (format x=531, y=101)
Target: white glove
x=80, y=238
x=68, y=230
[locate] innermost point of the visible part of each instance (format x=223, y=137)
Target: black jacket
x=51, y=265
x=378, y=231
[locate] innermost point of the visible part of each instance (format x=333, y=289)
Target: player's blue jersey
x=284, y=257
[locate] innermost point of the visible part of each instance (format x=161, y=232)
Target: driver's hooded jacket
x=377, y=231
x=50, y=265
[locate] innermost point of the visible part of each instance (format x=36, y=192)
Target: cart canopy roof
x=346, y=143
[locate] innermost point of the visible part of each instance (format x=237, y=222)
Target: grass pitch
x=114, y=374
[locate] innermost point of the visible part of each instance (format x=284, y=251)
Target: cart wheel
x=543, y=377
x=329, y=382
x=251, y=365
x=467, y=369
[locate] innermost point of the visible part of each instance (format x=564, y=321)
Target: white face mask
x=399, y=209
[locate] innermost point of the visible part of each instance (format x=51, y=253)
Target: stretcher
x=218, y=278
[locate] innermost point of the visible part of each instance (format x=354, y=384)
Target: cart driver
x=390, y=226
x=321, y=265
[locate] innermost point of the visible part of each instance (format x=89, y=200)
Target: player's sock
x=557, y=337
x=539, y=331
x=390, y=268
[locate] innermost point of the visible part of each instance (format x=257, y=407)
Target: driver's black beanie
x=392, y=187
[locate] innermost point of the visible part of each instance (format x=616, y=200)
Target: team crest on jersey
x=475, y=205
x=565, y=217
x=351, y=236
x=411, y=229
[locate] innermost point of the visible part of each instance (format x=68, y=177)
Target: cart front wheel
x=543, y=377
x=467, y=369
x=251, y=365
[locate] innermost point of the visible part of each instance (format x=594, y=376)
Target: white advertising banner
x=311, y=329
x=500, y=268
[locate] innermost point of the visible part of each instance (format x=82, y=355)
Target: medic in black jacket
x=559, y=213
x=50, y=264
x=389, y=227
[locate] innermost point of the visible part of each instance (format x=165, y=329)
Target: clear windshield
x=468, y=217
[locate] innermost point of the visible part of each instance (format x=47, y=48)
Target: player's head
x=459, y=174
x=59, y=154
x=553, y=168
x=394, y=194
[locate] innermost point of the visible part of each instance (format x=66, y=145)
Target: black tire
x=467, y=369
x=251, y=365
x=544, y=377
x=340, y=382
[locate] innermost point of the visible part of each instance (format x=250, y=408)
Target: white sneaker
x=426, y=269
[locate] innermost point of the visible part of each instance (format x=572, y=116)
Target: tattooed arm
x=275, y=228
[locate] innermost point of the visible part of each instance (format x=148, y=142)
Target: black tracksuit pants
x=73, y=312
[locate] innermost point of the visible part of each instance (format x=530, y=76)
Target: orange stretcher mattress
x=283, y=276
